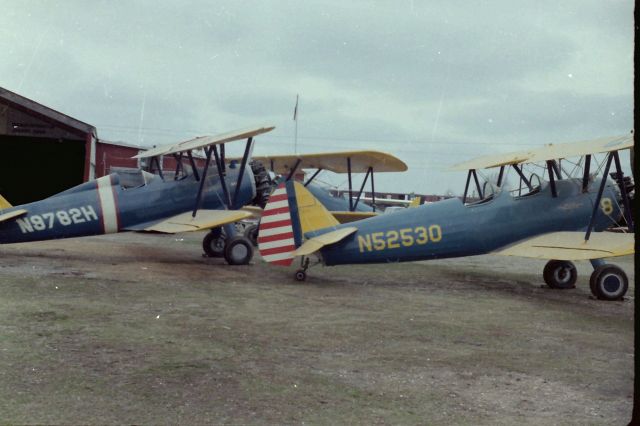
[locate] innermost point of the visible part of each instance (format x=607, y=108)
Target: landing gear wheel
x=251, y=232
x=560, y=274
x=301, y=275
x=214, y=242
x=238, y=251
x=609, y=282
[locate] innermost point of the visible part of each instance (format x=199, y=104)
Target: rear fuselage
x=450, y=229
x=103, y=206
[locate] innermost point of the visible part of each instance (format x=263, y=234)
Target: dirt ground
x=137, y=328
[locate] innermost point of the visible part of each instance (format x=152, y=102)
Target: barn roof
x=44, y=112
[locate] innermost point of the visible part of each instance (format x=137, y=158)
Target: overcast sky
x=432, y=82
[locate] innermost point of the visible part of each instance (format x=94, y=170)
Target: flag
x=295, y=110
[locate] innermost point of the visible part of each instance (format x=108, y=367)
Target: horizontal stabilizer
x=572, y=246
x=316, y=243
x=4, y=204
x=205, y=219
x=8, y=216
x=346, y=217
x=255, y=211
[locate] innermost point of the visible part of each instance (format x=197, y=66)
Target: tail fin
x=4, y=204
x=291, y=212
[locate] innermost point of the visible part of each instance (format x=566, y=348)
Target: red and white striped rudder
x=275, y=235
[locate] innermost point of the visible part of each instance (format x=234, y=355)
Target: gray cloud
x=432, y=82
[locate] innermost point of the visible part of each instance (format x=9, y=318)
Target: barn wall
x=109, y=156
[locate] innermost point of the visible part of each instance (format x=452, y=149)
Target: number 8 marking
x=607, y=206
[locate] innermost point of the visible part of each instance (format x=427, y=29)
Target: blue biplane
x=192, y=200
x=553, y=219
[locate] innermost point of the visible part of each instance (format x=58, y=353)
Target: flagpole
x=295, y=118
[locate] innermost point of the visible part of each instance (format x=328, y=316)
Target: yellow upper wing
x=572, y=246
x=205, y=219
x=335, y=161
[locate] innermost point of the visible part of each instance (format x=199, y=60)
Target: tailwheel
x=609, y=282
x=238, y=251
x=213, y=243
x=560, y=274
x=301, y=274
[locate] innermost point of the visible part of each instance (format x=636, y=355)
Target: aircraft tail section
x=4, y=204
x=291, y=212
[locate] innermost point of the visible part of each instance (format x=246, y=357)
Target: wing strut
x=369, y=172
x=178, y=157
x=500, y=176
x=623, y=191
x=522, y=176
x=293, y=169
x=552, y=180
x=466, y=186
x=585, y=176
x=612, y=157
x=247, y=153
x=204, y=175
x=350, y=186
x=223, y=182
x=193, y=166
x=373, y=193
x=312, y=176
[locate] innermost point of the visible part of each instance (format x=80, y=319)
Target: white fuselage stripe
x=108, y=205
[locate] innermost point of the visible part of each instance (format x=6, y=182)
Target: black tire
x=213, y=243
x=263, y=183
x=238, y=251
x=560, y=274
x=609, y=282
x=300, y=275
x=251, y=232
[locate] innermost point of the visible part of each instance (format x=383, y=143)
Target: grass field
x=142, y=329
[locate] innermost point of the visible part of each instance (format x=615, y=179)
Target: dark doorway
x=35, y=168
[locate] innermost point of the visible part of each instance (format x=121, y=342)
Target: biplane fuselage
x=102, y=206
x=451, y=229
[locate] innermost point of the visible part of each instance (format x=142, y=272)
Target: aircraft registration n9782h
x=193, y=200
x=553, y=219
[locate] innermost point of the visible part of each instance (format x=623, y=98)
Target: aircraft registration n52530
x=395, y=239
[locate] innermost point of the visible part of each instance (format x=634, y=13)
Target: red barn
x=44, y=151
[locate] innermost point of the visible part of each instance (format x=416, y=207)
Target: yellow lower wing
x=316, y=243
x=205, y=219
x=572, y=246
